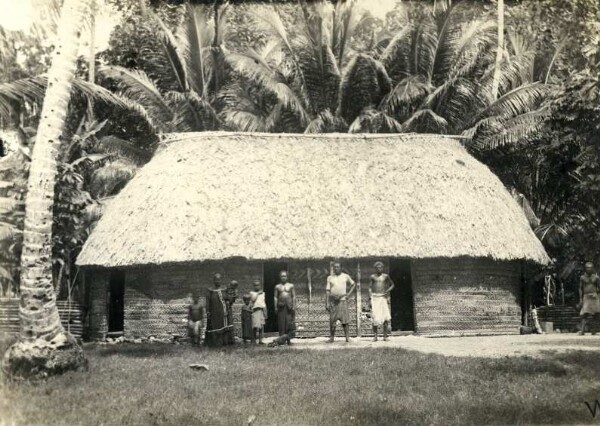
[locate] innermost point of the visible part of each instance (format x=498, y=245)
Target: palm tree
x=442, y=73
x=183, y=97
x=44, y=347
x=298, y=73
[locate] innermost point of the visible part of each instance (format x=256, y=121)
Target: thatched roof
x=209, y=196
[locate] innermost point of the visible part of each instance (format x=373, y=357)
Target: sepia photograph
x=303, y=212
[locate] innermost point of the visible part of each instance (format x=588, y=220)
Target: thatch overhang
x=217, y=195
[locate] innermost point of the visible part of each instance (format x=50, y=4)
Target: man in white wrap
x=381, y=286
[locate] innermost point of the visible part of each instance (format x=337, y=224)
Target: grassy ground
x=152, y=384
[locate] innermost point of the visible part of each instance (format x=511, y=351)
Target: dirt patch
x=473, y=346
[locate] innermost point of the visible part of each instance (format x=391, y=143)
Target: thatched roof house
x=239, y=201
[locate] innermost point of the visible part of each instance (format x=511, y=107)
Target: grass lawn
x=148, y=384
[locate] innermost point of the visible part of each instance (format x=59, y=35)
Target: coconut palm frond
x=509, y=132
x=243, y=107
x=321, y=78
x=123, y=149
x=138, y=87
x=406, y=94
x=517, y=101
x=269, y=21
x=326, y=122
x=253, y=67
x=365, y=84
x=111, y=178
x=196, y=34
x=396, y=57
x=426, y=121
x=192, y=112
x=172, y=52
x=347, y=17
x=371, y=120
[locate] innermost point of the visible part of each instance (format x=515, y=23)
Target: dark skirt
x=285, y=321
x=246, y=324
x=218, y=331
x=339, y=311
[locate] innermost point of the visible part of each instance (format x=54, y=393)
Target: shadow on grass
x=528, y=366
x=139, y=350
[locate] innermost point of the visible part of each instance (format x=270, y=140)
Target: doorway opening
x=401, y=298
x=271, y=272
x=116, y=302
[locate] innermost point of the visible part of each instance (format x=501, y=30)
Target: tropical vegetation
x=519, y=88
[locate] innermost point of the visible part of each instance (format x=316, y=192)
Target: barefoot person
x=589, y=297
x=195, y=319
x=259, y=312
x=336, y=299
x=247, y=331
x=285, y=303
x=218, y=330
x=381, y=286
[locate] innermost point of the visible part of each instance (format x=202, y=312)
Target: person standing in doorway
x=285, y=303
x=259, y=312
x=589, y=297
x=336, y=299
x=379, y=291
x=218, y=330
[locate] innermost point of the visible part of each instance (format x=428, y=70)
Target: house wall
x=95, y=305
x=466, y=296
x=451, y=296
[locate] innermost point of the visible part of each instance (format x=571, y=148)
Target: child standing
x=247, y=332
x=259, y=312
x=195, y=319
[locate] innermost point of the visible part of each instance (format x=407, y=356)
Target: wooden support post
x=309, y=290
x=358, y=302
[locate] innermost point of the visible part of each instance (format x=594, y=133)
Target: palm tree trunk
x=44, y=347
x=496, y=81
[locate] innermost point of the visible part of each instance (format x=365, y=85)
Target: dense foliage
x=428, y=66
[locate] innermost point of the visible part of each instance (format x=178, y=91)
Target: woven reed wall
x=96, y=282
x=564, y=318
x=452, y=296
x=71, y=317
x=466, y=296
x=156, y=298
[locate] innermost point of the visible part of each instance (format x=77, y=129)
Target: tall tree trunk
x=499, y=52
x=44, y=348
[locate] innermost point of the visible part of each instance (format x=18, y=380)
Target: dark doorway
x=116, y=299
x=403, y=318
x=271, y=272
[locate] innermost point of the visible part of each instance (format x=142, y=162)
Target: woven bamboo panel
x=466, y=296
x=565, y=318
x=71, y=317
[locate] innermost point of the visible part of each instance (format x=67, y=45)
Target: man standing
x=285, y=303
x=381, y=286
x=589, y=297
x=217, y=327
x=336, y=299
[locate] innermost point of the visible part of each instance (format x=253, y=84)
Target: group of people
x=340, y=286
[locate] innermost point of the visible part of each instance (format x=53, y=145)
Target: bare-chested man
x=589, y=296
x=381, y=286
x=336, y=299
x=285, y=303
